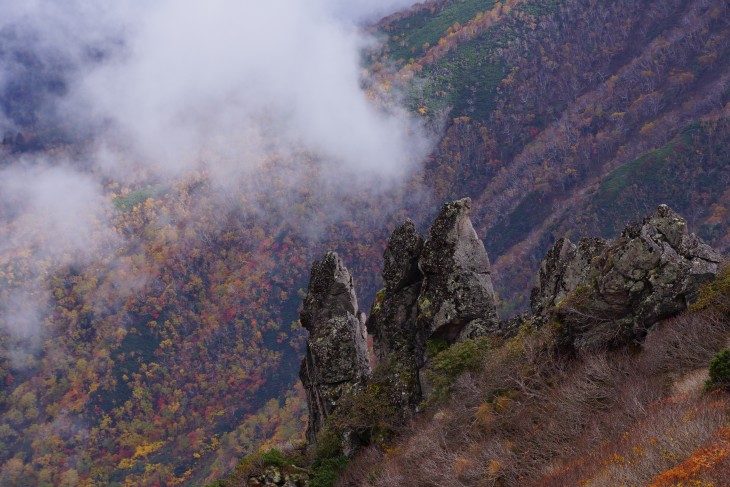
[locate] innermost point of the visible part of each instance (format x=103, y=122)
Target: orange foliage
x=700, y=460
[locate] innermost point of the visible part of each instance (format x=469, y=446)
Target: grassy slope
x=531, y=416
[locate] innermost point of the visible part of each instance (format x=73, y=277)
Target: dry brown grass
x=534, y=417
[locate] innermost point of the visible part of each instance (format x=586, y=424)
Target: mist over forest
x=151, y=93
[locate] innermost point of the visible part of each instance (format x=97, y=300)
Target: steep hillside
x=168, y=349
x=545, y=102
x=593, y=388
x=605, y=381
x=169, y=359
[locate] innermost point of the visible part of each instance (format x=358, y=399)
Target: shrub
x=719, y=371
x=449, y=364
x=716, y=293
x=258, y=461
x=273, y=458
x=684, y=343
x=327, y=470
x=435, y=346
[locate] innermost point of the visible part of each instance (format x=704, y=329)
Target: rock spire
x=435, y=288
x=337, y=359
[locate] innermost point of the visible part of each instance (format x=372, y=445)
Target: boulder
x=609, y=294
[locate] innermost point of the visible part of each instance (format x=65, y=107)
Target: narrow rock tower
x=337, y=355
x=457, y=299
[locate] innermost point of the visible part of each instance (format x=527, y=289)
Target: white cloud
x=212, y=79
x=52, y=216
x=168, y=85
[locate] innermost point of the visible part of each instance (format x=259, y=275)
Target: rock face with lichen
x=564, y=268
x=278, y=477
x=337, y=355
x=607, y=294
x=398, y=336
x=435, y=288
x=396, y=303
x=457, y=299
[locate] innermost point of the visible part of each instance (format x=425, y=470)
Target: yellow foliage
x=126, y=463
x=501, y=403
x=146, y=449
x=485, y=414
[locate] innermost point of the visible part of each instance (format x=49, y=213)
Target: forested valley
x=160, y=344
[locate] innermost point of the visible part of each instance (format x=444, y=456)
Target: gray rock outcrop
x=562, y=270
x=437, y=288
x=597, y=294
x=279, y=477
x=608, y=294
x=396, y=303
x=398, y=337
x=457, y=299
x=337, y=359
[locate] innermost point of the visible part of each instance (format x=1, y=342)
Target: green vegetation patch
x=647, y=166
x=719, y=371
x=465, y=79
x=695, y=158
x=541, y=7
x=435, y=346
x=408, y=35
x=134, y=198
x=327, y=470
x=449, y=364
x=715, y=294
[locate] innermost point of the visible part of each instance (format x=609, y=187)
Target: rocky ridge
x=598, y=294
x=435, y=288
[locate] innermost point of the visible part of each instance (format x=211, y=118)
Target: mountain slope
x=546, y=98
x=605, y=380
x=169, y=360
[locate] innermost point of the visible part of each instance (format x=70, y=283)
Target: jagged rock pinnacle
x=457, y=298
x=564, y=268
x=596, y=294
x=337, y=356
x=435, y=288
